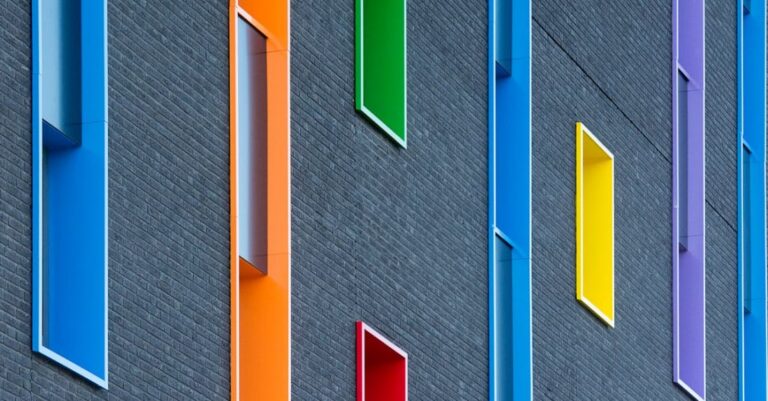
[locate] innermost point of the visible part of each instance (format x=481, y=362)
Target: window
x=753, y=323
x=688, y=217
x=69, y=142
x=260, y=201
x=380, y=83
x=682, y=159
x=594, y=225
x=60, y=64
x=747, y=226
x=503, y=37
x=252, y=145
x=504, y=317
x=509, y=201
x=382, y=367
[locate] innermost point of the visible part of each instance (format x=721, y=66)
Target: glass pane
x=504, y=319
x=747, y=228
x=503, y=38
x=682, y=159
x=60, y=65
x=252, y=144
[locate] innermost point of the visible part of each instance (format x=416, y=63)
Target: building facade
x=383, y=200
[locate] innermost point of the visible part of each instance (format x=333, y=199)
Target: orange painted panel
x=271, y=16
x=261, y=303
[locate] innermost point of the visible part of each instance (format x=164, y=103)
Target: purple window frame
x=688, y=267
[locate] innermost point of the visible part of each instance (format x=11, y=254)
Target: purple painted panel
x=688, y=196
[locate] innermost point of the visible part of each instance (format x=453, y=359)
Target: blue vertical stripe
x=510, y=203
x=753, y=331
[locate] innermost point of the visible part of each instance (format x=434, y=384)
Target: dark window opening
x=252, y=145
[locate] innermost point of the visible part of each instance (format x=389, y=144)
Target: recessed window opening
x=503, y=38
x=683, y=159
x=747, y=221
x=252, y=145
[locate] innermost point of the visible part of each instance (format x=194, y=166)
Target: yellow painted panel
x=594, y=225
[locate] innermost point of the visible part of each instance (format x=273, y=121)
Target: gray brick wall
x=722, y=279
x=15, y=200
x=394, y=237
x=608, y=65
x=168, y=206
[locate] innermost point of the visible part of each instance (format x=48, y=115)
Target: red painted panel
x=382, y=368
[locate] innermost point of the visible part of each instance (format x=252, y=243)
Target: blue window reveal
x=511, y=317
x=69, y=140
x=503, y=37
x=509, y=206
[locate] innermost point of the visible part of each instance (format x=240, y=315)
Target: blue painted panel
x=510, y=204
x=70, y=199
x=753, y=328
x=513, y=138
x=54, y=139
x=73, y=263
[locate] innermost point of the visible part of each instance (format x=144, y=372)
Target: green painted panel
x=381, y=64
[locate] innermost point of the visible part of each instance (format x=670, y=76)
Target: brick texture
x=394, y=237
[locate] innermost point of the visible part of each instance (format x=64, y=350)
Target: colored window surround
x=509, y=212
x=260, y=271
x=594, y=225
x=382, y=367
x=688, y=221
x=69, y=186
x=753, y=324
x=381, y=65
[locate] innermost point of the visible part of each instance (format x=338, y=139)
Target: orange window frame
x=260, y=303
